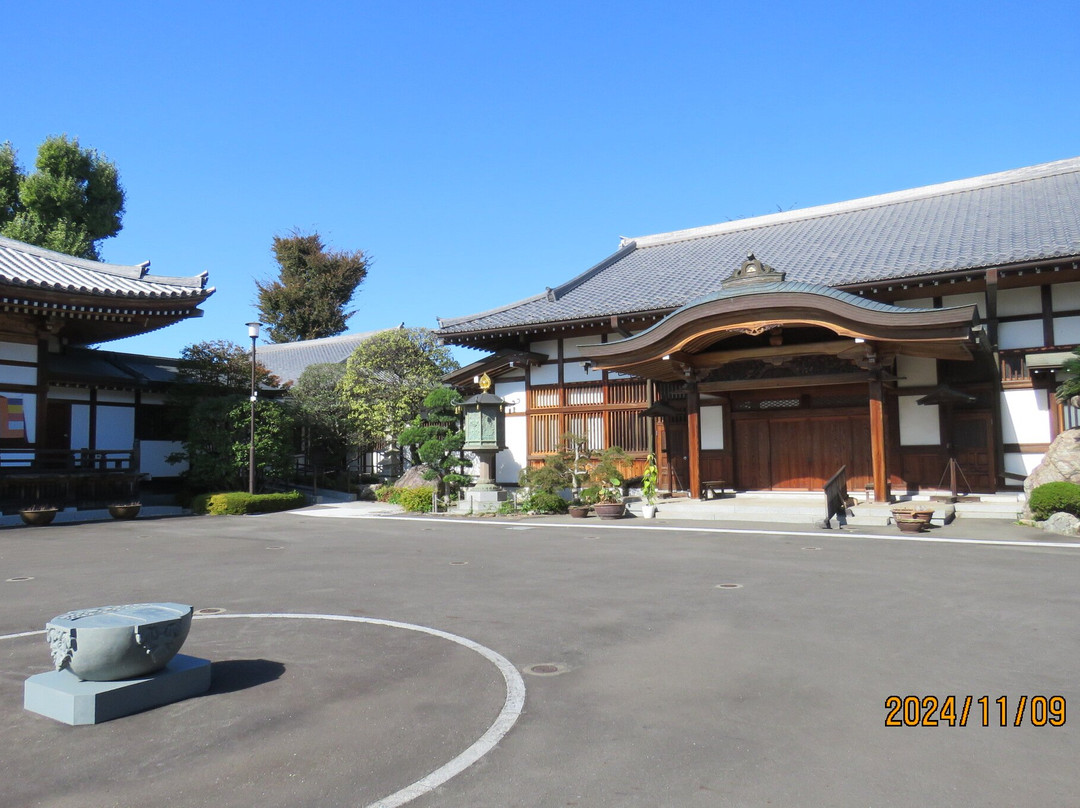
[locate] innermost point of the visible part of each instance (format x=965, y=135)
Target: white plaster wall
x=712, y=427
x=10, y=374
x=1018, y=463
x=18, y=352
x=69, y=394
x=916, y=371
x=115, y=427
x=80, y=426
x=510, y=461
x=919, y=423
x=918, y=303
x=116, y=397
x=1025, y=416
x=1025, y=334
x=1019, y=301
x=1066, y=330
x=155, y=399
x=547, y=347
x=513, y=393
x=575, y=372
x=152, y=454
x=545, y=374
x=572, y=345
x=1065, y=296
x=978, y=298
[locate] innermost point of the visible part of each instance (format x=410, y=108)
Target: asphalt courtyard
x=442, y=662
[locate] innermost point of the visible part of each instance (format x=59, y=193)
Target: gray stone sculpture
x=110, y=643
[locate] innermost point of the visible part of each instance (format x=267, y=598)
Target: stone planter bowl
x=39, y=517
x=922, y=514
x=124, y=511
x=108, y=643
x=579, y=511
x=610, y=510
x=910, y=525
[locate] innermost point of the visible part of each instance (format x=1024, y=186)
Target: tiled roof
x=35, y=267
x=1029, y=214
x=111, y=367
x=287, y=360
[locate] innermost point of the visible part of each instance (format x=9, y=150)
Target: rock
x=1064, y=523
x=414, y=478
x=1061, y=462
x=109, y=643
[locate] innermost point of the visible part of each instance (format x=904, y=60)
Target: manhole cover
x=278, y=547
x=18, y=578
x=546, y=669
x=811, y=548
x=210, y=611
x=458, y=563
x=729, y=586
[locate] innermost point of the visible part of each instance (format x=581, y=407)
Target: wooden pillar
x=693, y=438
x=877, y=440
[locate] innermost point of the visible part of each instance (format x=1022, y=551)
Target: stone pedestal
x=479, y=499
x=62, y=696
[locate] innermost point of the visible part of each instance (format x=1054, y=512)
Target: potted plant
x=38, y=515
x=649, y=479
x=126, y=510
x=608, y=476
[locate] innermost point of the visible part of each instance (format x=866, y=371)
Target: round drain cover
x=210, y=611
x=19, y=578
x=729, y=586
x=546, y=669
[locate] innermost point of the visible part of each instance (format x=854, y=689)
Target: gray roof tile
x=287, y=360
x=35, y=267
x=1028, y=214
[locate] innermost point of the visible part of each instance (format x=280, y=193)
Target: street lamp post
x=253, y=332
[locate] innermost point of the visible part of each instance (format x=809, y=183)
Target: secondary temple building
x=905, y=336
x=69, y=415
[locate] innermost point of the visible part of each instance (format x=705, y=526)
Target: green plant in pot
x=649, y=479
x=607, y=474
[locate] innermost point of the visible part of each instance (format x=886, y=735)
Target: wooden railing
x=31, y=461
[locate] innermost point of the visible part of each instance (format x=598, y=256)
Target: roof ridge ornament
x=753, y=271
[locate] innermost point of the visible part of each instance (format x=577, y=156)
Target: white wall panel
x=1020, y=301
x=978, y=298
x=510, y=461
x=16, y=374
x=919, y=423
x=152, y=454
x=80, y=426
x=115, y=427
x=918, y=303
x=69, y=394
x=513, y=393
x=116, y=397
x=1024, y=334
x=18, y=352
x=1066, y=330
x=712, y=427
x=1025, y=416
x=547, y=347
x=544, y=374
x=916, y=371
x=575, y=372
x=1018, y=463
x=1065, y=296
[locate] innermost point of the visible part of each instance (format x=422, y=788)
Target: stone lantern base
x=483, y=499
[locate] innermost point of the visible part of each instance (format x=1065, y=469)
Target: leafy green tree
x=314, y=286
x=72, y=200
x=387, y=378
x=214, y=388
x=436, y=439
x=217, y=445
x=1071, y=386
x=323, y=413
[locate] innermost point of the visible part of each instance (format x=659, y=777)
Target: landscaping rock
x=414, y=478
x=1064, y=523
x=1060, y=463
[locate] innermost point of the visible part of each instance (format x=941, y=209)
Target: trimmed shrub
x=544, y=502
x=235, y=503
x=417, y=500
x=1052, y=498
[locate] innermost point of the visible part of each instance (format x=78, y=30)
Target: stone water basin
x=109, y=643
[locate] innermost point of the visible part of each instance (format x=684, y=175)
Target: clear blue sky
x=482, y=151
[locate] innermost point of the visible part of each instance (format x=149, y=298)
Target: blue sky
x=480, y=152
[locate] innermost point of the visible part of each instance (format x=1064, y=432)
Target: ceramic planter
x=39, y=517
x=922, y=514
x=610, y=510
x=124, y=511
x=910, y=525
x=579, y=511
x=648, y=511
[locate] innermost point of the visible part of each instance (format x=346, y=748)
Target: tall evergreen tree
x=309, y=298
x=72, y=200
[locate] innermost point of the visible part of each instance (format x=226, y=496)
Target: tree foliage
x=323, y=412
x=219, y=367
x=437, y=439
x=72, y=200
x=387, y=378
x=314, y=286
x=1071, y=386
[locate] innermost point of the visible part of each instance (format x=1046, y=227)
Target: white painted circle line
x=508, y=716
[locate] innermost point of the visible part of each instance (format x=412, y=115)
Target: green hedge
x=1051, y=498
x=240, y=502
x=416, y=499
x=544, y=502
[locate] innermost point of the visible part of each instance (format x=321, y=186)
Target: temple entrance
x=672, y=449
x=800, y=450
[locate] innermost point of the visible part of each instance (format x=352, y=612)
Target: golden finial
x=485, y=382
